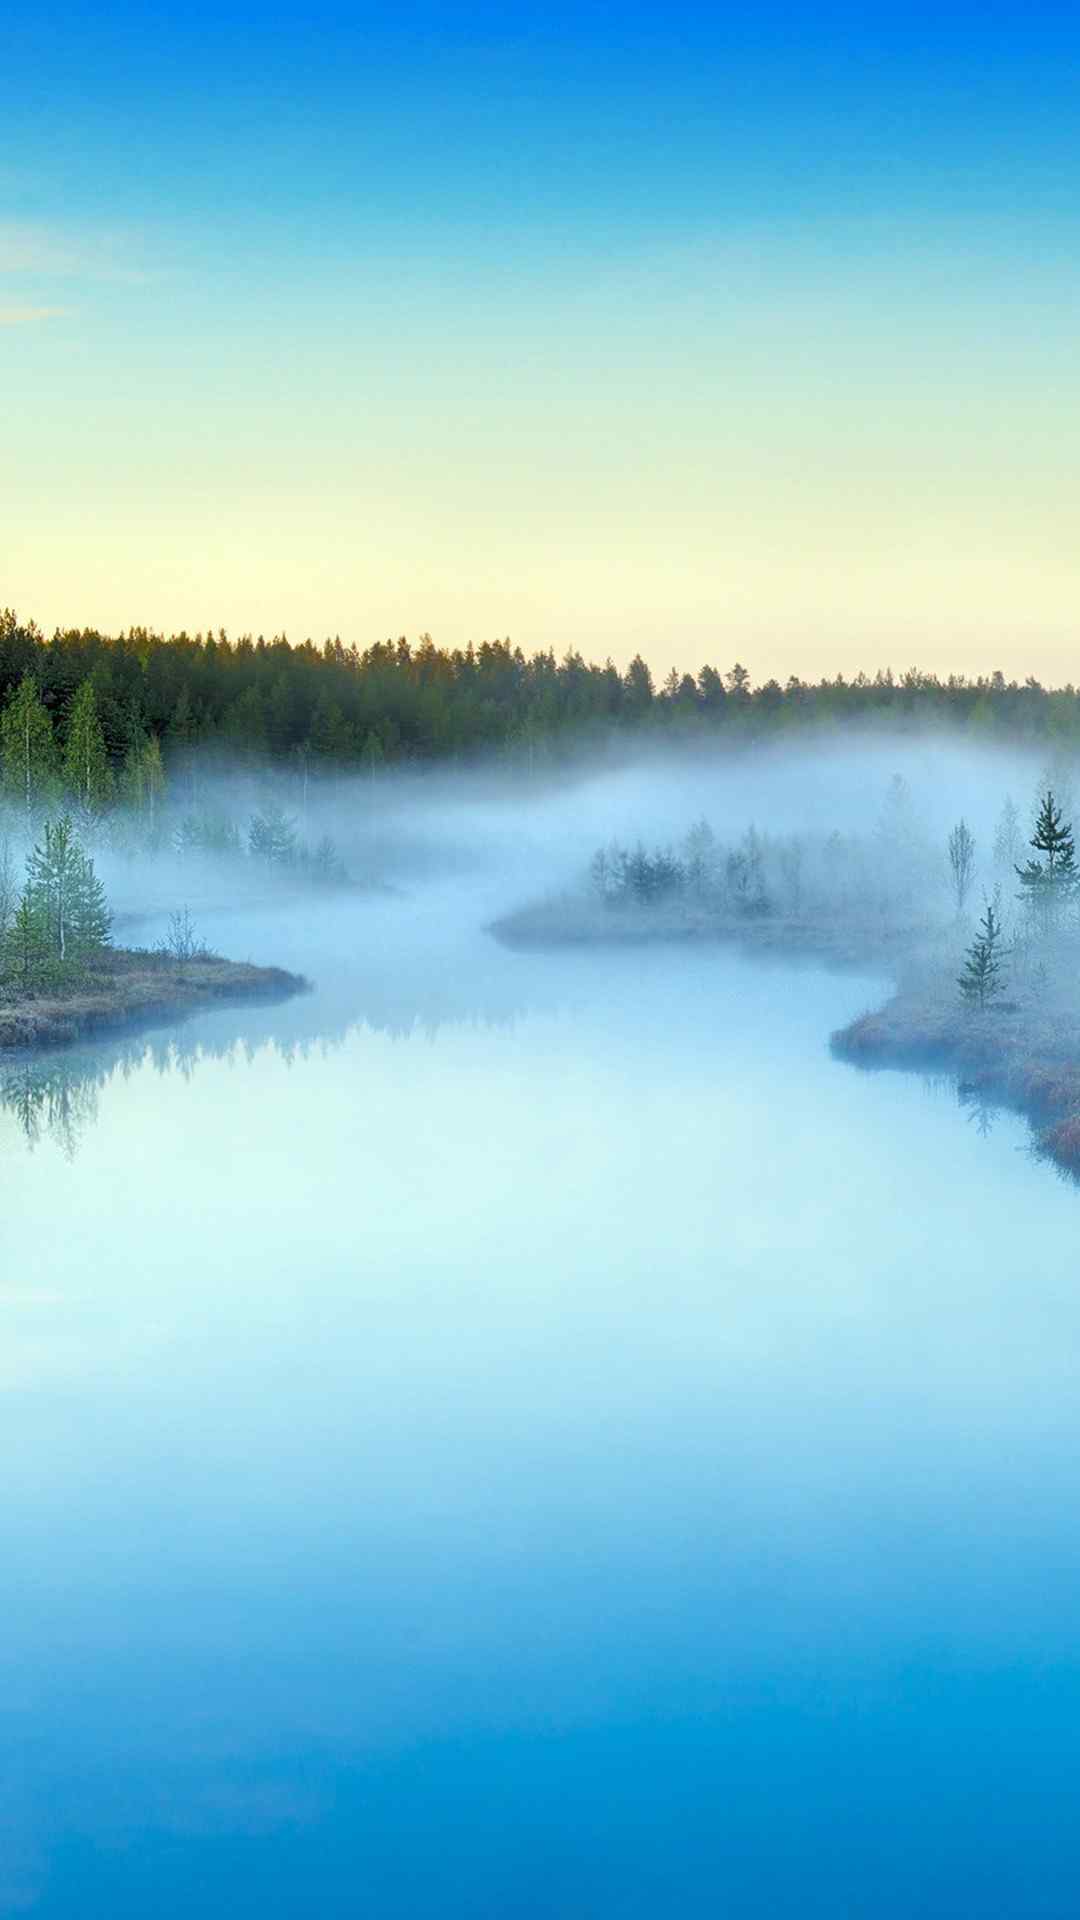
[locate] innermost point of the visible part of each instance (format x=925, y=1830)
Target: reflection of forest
x=54, y=1095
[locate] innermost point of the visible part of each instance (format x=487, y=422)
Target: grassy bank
x=1022, y=1052
x=119, y=988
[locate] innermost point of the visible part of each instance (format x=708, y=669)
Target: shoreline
x=868, y=947
x=1021, y=1053
x=123, y=989
x=1009, y=1055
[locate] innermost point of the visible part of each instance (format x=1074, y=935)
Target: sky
x=716, y=333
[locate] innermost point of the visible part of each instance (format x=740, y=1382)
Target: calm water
x=549, y=1442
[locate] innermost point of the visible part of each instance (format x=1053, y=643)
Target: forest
x=306, y=707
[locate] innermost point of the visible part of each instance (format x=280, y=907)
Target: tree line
x=310, y=707
x=43, y=775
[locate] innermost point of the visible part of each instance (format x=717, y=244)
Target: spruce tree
x=1048, y=885
x=981, y=980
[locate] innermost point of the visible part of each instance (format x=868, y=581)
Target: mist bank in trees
x=852, y=892
x=135, y=809
x=308, y=708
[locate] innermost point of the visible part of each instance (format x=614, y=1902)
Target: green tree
x=28, y=760
x=272, y=837
x=26, y=945
x=87, y=771
x=9, y=892
x=1048, y=885
x=144, y=782
x=63, y=887
x=981, y=980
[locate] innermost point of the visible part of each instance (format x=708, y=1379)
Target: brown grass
x=1023, y=1053
x=120, y=989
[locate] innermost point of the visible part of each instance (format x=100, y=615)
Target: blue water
x=516, y=1435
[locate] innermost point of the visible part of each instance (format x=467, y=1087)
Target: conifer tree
x=26, y=945
x=981, y=980
x=28, y=759
x=9, y=892
x=272, y=837
x=1048, y=885
x=64, y=889
x=86, y=758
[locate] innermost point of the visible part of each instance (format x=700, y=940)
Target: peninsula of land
x=990, y=1003
x=116, y=989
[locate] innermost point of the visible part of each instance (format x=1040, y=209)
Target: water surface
x=531, y=1435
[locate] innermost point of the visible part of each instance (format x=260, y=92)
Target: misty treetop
x=310, y=707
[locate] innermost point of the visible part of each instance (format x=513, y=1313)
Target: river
x=531, y=1435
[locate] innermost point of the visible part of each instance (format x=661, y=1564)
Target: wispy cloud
x=55, y=252
x=29, y=316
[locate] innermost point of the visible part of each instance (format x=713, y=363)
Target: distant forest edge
x=306, y=706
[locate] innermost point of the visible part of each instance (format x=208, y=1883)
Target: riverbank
x=121, y=988
x=1022, y=1052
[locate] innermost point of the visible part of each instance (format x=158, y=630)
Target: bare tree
x=1008, y=842
x=183, y=943
x=961, y=863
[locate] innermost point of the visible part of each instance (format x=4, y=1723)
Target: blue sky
x=704, y=331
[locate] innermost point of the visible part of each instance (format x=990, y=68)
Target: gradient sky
x=712, y=332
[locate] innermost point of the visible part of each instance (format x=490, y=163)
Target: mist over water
x=528, y=1432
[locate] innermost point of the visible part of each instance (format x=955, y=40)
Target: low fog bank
x=395, y=935
x=378, y=888
x=482, y=836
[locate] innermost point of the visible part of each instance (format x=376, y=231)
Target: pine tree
x=86, y=758
x=981, y=980
x=28, y=760
x=64, y=889
x=9, y=892
x=1048, y=885
x=26, y=945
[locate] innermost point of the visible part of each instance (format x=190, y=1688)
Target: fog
x=468, y=845
x=521, y=1428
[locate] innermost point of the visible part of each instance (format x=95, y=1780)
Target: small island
x=989, y=1001
x=61, y=979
